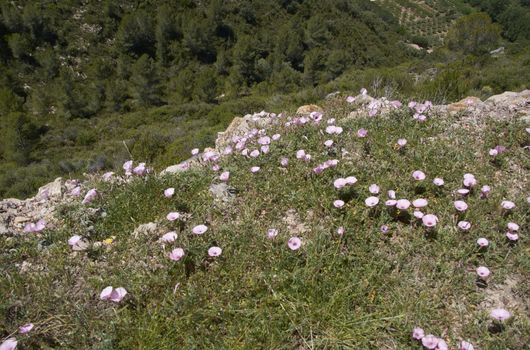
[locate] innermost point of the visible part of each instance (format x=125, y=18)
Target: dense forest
x=85, y=85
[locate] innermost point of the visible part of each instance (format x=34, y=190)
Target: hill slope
x=309, y=257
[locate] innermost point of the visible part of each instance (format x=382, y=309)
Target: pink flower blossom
x=384, y=228
x=418, y=175
x=333, y=129
x=483, y=272
x=338, y=203
x=391, y=194
x=350, y=99
x=284, y=162
x=464, y=345
x=339, y=183
x=25, y=328
x=294, y=243
x=107, y=176
x=115, y=295
x=403, y=204
x=391, y=202
x=418, y=333
x=76, y=191
x=128, y=167
x=508, y=205
x=214, y=251
x=194, y=151
x=199, y=229
x=512, y=236
x=462, y=191
x=500, y=314
x=418, y=214
x=90, y=196
x=340, y=230
x=470, y=180
x=374, y=189
x=35, y=227
x=225, y=175
x=74, y=240
x=328, y=143
x=276, y=137
x=176, y=254
x=442, y=345
x=173, y=216
x=485, y=191
x=371, y=201
x=254, y=153
x=271, y=233
x=216, y=167
x=401, y=142
x=9, y=344
x=169, y=192
x=419, y=203
x=169, y=237
x=512, y=226
x=493, y=152
x=254, y=169
x=350, y=180
x=362, y=132
x=140, y=170
x=464, y=225
x=429, y=220
x=264, y=140
x=460, y=206
x=300, y=154
x=430, y=342
x=483, y=242
x=438, y=181
x=264, y=149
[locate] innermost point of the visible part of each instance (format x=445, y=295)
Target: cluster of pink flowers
x=432, y=342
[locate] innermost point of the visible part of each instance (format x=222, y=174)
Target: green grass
x=364, y=290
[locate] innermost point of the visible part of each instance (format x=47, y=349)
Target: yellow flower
x=109, y=240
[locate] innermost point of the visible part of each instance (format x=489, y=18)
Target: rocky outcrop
x=308, y=109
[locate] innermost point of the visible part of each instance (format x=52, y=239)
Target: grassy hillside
x=365, y=287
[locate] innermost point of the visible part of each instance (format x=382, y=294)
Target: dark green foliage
x=474, y=34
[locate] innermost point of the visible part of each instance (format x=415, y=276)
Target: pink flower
x=169, y=192
x=401, y=142
x=371, y=201
x=254, y=169
x=25, y=328
x=438, y=181
x=350, y=99
x=374, y=189
x=214, y=251
x=300, y=154
x=332, y=129
x=419, y=203
x=216, y=167
x=107, y=175
x=500, y=314
x=340, y=230
x=493, y=152
x=128, y=167
x=418, y=175
x=115, y=295
x=512, y=226
x=176, y=254
x=271, y=233
x=483, y=242
x=485, y=191
x=429, y=220
x=194, y=151
x=430, y=341
x=339, y=183
x=9, y=344
x=483, y=272
x=140, y=169
x=464, y=345
x=418, y=333
x=76, y=191
x=338, y=203
x=284, y=162
x=254, y=153
x=512, y=236
x=90, y=195
x=391, y=202
x=418, y=214
x=294, y=243
x=264, y=140
x=403, y=204
x=169, y=237
x=264, y=149
x=173, y=216
x=460, y=206
x=328, y=143
x=469, y=180
x=442, y=345
x=276, y=137
x=72, y=241
x=391, y=194
x=464, y=225
x=462, y=191
x=224, y=176
x=384, y=228
x=362, y=132
x=507, y=205
x=350, y=180
x=199, y=229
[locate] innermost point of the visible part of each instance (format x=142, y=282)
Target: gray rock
x=222, y=192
